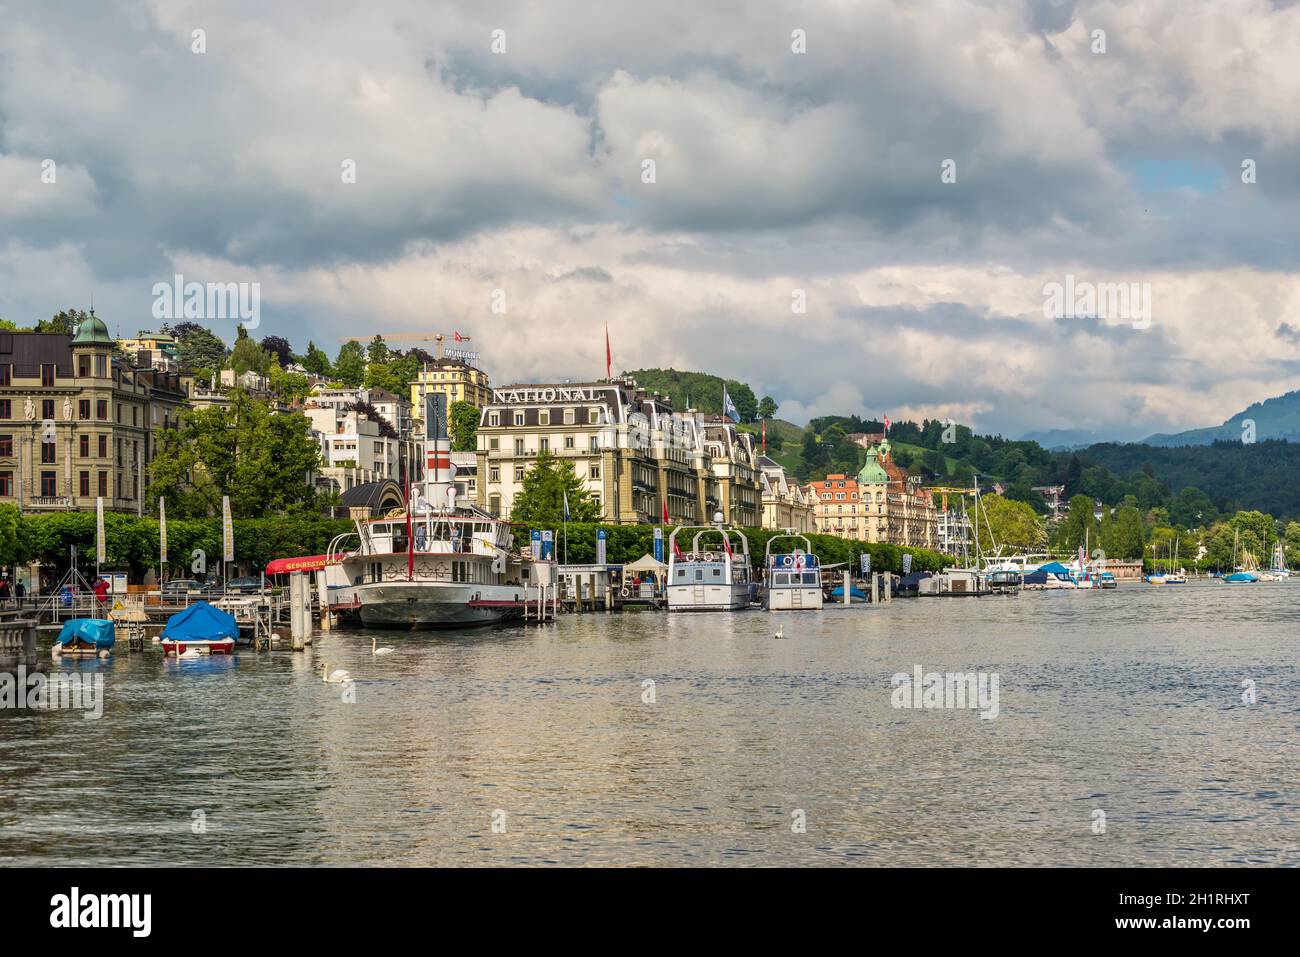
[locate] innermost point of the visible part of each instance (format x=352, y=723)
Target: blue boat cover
x=201, y=622
x=93, y=631
x=854, y=592
x=1054, y=568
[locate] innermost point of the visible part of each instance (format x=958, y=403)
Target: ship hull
x=421, y=605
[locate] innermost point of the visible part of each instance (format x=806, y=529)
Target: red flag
x=609, y=357
x=765, y=435
x=665, y=511
x=457, y=335
x=677, y=550
x=726, y=543
x=886, y=425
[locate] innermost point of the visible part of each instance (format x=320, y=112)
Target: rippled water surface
x=1129, y=702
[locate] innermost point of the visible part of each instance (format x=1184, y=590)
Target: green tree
x=464, y=428
x=316, y=361
x=13, y=548
x=65, y=322
x=767, y=407
x=261, y=460
x=540, y=502
x=248, y=356
x=1009, y=525
x=350, y=365
x=197, y=347
x=377, y=351
x=1080, y=525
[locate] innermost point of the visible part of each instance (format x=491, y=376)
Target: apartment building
x=78, y=422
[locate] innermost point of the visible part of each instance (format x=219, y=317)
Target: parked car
x=181, y=589
x=244, y=586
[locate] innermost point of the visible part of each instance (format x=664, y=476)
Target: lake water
x=1128, y=702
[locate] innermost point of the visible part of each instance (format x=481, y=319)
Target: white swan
x=191, y=653
x=337, y=677
x=379, y=651
x=780, y=631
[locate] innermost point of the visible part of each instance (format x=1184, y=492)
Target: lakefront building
x=881, y=504
x=78, y=422
x=635, y=456
x=456, y=379
x=785, y=504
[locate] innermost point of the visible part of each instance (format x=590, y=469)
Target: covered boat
x=200, y=628
x=85, y=636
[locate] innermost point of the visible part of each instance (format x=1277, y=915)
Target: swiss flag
x=665, y=511
x=458, y=336
x=886, y=425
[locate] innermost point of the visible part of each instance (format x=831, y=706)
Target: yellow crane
x=945, y=490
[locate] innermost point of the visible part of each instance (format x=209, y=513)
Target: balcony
x=49, y=503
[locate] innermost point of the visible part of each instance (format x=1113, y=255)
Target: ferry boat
x=793, y=580
x=709, y=577
x=436, y=563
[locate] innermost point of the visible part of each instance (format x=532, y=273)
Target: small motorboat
x=85, y=637
x=201, y=628
x=1107, y=580
x=855, y=594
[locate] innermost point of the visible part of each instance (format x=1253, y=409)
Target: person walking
x=20, y=592
x=4, y=591
x=101, y=591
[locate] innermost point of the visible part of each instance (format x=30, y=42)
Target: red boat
x=201, y=629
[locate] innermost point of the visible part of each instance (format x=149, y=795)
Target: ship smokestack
x=438, y=474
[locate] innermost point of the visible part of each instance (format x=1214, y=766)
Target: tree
x=197, y=347
x=248, y=356
x=350, y=366
x=316, y=361
x=279, y=348
x=12, y=547
x=540, y=502
x=377, y=351
x=1009, y=525
x=1080, y=525
x=262, y=461
x=767, y=407
x=464, y=428
x=65, y=322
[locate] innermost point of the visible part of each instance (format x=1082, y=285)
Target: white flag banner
x=227, y=531
x=162, y=531
x=99, y=531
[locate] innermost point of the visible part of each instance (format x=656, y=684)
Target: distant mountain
x=1276, y=418
x=1067, y=440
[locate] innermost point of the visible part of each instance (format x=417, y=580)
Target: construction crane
x=437, y=339
x=944, y=491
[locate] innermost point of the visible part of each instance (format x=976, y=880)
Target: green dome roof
x=873, y=473
x=92, y=332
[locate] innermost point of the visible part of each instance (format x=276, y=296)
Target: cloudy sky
x=774, y=171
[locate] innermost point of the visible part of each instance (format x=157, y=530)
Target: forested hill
x=702, y=391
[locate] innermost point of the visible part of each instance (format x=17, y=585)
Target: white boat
x=437, y=563
x=713, y=574
x=793, y=580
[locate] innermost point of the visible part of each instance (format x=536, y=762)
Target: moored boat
x=793, y=580
x=85, y=637
x=200, y=629
x=709, y=577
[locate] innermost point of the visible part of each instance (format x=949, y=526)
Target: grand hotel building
x=633, y=453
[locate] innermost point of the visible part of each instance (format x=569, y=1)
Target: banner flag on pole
x=162, y=531
x=729, y=407
x=566, y=505
x=99, y=531
x=609, y=356
x=227, y=531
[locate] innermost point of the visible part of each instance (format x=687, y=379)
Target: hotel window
x=494, y=418
x=494, y=505
x=119, y=413
x=593, y=471
x=568, y=441
x=544, y=445
x=494, y=445
x=6, y=484
x=84, y=485
x=595, y=444
x=103, y=446
x=47, y=375
x=47, y=409
x=6, y=408
x=6, y=446
x=544, y=417
x=570, y=416
x=47, y=453
x=49, y=484
x=519, y=473
x=83, y=408
x=593, y=416
x=101, y=409
x=135, y=415
x=494, y=474
x=103, y=484
x=101, y=367
x=519, y=418
x=83, y=366
x=519, y=446
x=6, y=373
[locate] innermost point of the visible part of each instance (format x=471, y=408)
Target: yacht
x=713, y=574
x=436, y=563
x=793, y=580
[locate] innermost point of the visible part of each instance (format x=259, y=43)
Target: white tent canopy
x=646, y=563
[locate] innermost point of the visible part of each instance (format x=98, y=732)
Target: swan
x=191, y=653
x=379, y=651
x=337, y=677
x=105, y=653
x=780, y=631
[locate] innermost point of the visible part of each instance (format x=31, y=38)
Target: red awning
x=307, y=563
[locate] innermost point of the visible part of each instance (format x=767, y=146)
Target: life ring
x=690, y=557
x=787, y=561
x=625, y=592
x=708, y=556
